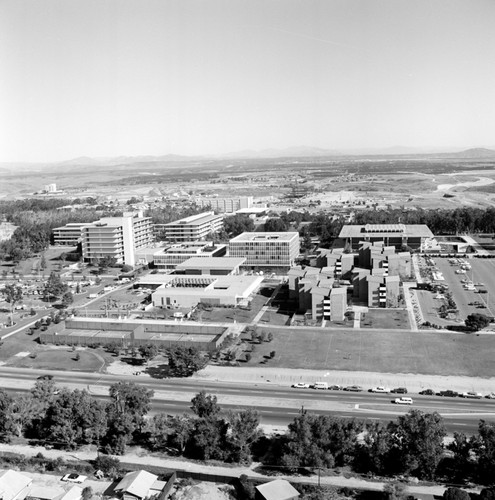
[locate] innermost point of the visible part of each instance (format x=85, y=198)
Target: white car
x=490, y=396
x=403, y=401
x=380, y=389
x=74, y=478
x=471, y=395
x=300, y=385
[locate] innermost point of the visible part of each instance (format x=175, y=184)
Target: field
x=385, y=318
x=378, y=351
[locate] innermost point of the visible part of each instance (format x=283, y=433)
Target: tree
x=487, y=493
x=110, y=466
x=476, y=321
x=455, y=494
x=394, y=491
x=128, y=398
x=276, y=225
x=208, y=440
x=87, y=493
x=483, y=445
x=462, y=464
x=67, y=299
x=13, y=295
x=54, y=287
x=243, y=432
x=205, y=406
x=148, y=351
x=237, y=224
x=184, y=361
x=22, y=411
x=5, y=404
x=44, y=392
x=417, y=440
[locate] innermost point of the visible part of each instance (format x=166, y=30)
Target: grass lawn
x=60, y=359
x=386, y=318
x=388, y=351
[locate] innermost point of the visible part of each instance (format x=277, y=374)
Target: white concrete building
x=225, y=205
x=266, y=249
x=117, y=237
x=170, y=257
x=193, y=228
x=70, y=234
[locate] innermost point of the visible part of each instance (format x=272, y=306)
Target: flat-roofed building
x=70, y=234
x=211, y=265
x=188, y=291
x=397, y=235
x=117, y=237
x=225, y=205
x=266, y=249
x=193, y=228
x=170, y=257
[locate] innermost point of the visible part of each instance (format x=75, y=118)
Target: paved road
x=277, y=404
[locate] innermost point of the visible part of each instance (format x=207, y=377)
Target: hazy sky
x=131, y=77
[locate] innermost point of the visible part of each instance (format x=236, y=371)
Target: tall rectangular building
x=117, y=237
x=226, y=205
x=266, y=249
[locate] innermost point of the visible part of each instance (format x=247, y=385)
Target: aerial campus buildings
x=194, y=228
x=225, y=205
x=115, y=237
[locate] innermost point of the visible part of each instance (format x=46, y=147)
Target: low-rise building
x=14, y=485
x=139, y=485
x=279, y=489
x=266, y=249
x=188, y=291
x=171, y=256
x=397, y=235
x=211, y=265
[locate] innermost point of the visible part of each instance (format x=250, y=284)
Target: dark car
x=45, y=377
x=399, y=390
x=335, y=387
x=353, y=388
x=449, y=393
x=427, y=392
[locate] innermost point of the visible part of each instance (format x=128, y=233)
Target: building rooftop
x=407, y=230
x=194, y=220
x=212, y=263
x=282, y=236
x=279, y=489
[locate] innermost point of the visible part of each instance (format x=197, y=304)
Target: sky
x=153, y=77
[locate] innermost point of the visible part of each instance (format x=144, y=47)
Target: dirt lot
x=392, y=351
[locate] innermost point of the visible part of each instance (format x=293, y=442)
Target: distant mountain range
x=145, y=161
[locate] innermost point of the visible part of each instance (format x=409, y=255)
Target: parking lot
x=478, y=275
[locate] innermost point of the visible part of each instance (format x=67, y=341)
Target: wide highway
x=278, y=405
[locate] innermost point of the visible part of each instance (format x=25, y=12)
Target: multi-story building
x=70, y=234
x=50, y=188
x=225, y=205
x=117, y=237
x=170, y=257
x=193, y=228
x=266, y=249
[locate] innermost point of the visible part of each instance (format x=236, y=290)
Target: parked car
x=353, y=388
x=403, y=401
x=427, y=392
x=45, y=377
x=471, y=395
x=320, y=385
x=335, y=387
x=300, y=385
x=380, y=389
x=490, y=396
x=399, y=390
x=448, y=393
x=74, y=478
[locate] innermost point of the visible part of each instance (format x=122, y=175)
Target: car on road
x=399, y=390
x=74, y=478
x=471, y=395
x=45, y=377
x=427, y=392
x=403, y=401
x=448, y=393
x=335, y=387
x=380, y=389
x=300, y=385
x=353, y=388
